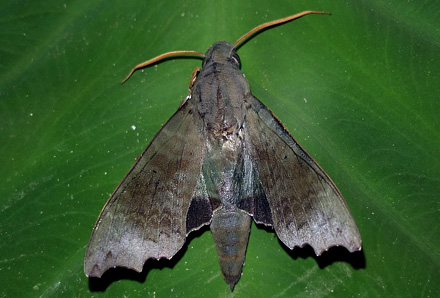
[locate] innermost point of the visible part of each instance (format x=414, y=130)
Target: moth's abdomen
x=230, y=230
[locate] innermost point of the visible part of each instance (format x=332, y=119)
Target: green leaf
x=358, y=89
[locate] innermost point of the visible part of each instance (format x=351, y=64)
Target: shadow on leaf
x=120, y=273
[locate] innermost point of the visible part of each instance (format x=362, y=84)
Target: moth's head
x=222, y=52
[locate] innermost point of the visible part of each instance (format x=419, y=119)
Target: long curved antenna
x=160, y=57
x=240, y=40
x=276, y=22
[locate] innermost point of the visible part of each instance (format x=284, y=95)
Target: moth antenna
x=276, y=22
x=160, y=57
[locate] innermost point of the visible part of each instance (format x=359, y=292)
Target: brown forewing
x=146, y=215
x=305, y=205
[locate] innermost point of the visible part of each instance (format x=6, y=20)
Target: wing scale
x=305, y=205
x=146, y=215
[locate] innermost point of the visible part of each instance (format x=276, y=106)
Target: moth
x=222, y=160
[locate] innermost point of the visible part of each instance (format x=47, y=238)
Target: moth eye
x=236, y=59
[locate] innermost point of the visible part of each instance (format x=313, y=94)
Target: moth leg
x=193, y=78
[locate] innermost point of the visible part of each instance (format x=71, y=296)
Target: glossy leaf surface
x=358, y=89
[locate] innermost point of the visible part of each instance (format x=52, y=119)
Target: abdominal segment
x=230, y=228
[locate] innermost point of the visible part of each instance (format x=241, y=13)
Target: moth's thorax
x=219, y=90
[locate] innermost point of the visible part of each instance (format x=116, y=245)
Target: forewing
x=145, y=217
x=305, y=205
